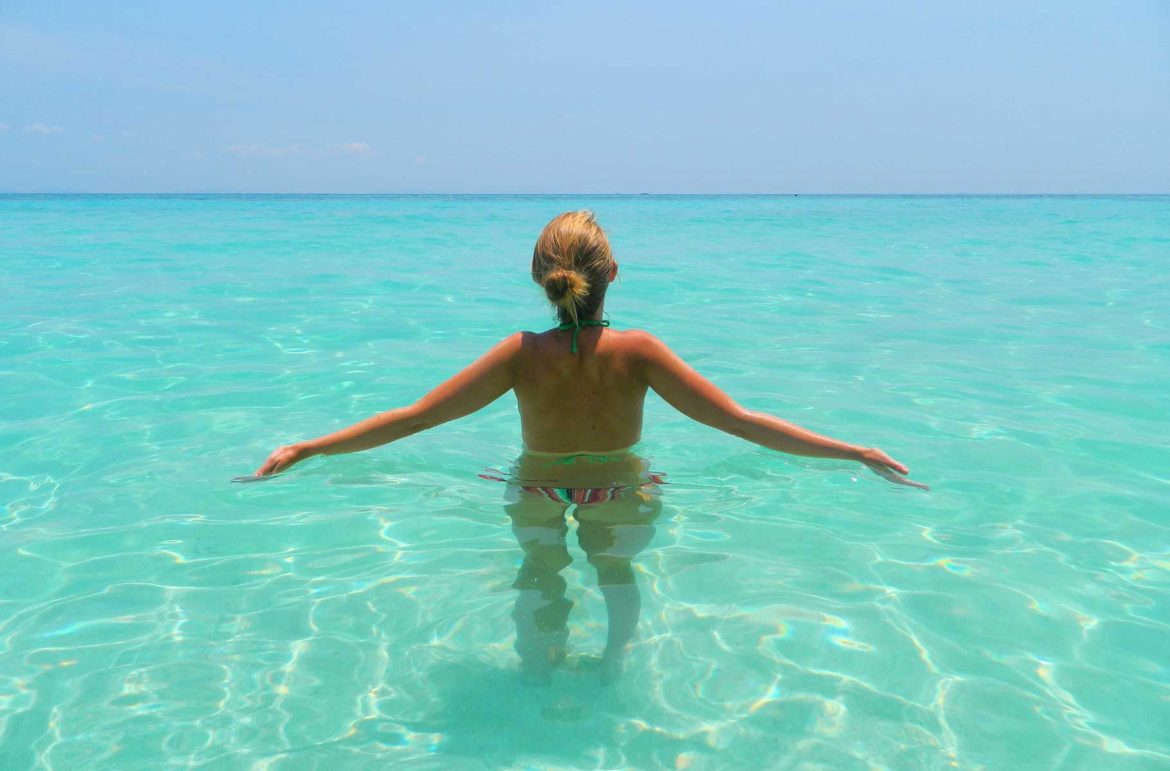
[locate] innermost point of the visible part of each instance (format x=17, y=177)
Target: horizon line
x=589, y=194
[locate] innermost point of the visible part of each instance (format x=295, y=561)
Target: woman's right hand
x=282, y=458
x=888, y=468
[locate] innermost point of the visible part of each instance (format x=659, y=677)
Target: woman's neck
x=597, y=315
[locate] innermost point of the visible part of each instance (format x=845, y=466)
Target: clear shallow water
x=1015, y=352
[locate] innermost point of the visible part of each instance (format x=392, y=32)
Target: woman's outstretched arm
x=698, y=398
x=478, y=385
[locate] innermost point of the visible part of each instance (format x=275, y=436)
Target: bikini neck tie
x=576, y=327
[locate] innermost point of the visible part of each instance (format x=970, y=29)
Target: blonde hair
x=573, y=262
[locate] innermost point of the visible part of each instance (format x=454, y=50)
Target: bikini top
x=576, y=327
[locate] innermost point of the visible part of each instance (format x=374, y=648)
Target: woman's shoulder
x=641, y=346
x=638, y=337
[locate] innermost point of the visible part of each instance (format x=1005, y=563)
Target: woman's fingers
x=885, y=466
x=875, y=455
x=267, y=466
x=280, y=459
x=887, y=472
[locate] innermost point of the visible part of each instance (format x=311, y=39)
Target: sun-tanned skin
x=590, y=401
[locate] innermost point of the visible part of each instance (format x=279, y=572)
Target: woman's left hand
x=281, y=459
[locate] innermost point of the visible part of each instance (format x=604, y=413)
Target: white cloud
x=355, y=148
x=41, y=128
x=263, y=151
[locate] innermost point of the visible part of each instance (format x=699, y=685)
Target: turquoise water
x=795, y=613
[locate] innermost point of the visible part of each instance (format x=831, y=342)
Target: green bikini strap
x=582, y=323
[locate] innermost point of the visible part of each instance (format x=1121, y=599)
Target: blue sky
x=1048, y=96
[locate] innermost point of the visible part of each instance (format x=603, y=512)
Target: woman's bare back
x=589, y=401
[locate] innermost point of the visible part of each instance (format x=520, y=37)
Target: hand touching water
x=282, y=458
x=888, y=468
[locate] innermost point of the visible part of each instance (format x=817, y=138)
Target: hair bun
x=566, y=288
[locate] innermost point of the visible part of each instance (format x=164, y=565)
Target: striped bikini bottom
x=580, y=478
x=581, y=495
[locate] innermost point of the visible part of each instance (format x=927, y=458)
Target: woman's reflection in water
x=615, y=523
